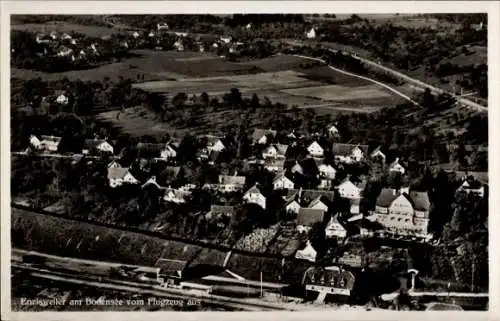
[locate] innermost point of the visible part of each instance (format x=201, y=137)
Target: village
x=302, y=172
x=226, y=162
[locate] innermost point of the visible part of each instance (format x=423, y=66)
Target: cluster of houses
x=397, y=212
x=64, y=45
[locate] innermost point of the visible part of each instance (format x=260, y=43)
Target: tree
x=255, y=103
x=179, y=100
x=205, y=99
x=188, y=149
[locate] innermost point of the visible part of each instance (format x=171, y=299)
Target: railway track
x=127, y=286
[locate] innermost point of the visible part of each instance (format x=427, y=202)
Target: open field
x=279, y=62
x=323, y=89
x=339, y=93
x=60, y=26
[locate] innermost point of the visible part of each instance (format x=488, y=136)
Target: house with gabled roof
x=292, y=206
x=49, y=143
x=378, y=155
x=275, y=151
x=152, y=182
x=97, y=145
x=177, y=196
x=348, y=189
x=308, y=253
x=120, y=175
x=170, y=271
x=253, y=195
x=214, y=143
x=327, y=171
x=114, y=164
x=333, y=131
x=396, y=167
x=307, y=217
x=335, y=229
x=402, y=213
x=274, y=165
x=281, y=181
x=471, y=186
x=319, y=203
x=260, y=136
x=297, y=168
x=169, y=151
x=315, y=149
x=349, y=153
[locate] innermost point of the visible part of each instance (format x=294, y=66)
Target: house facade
x=282, y=182
x=275, y=151
x=253, y=195
x=49, y=143
x=292, y=206
x=349, y=153
x=326, y=171
x=378, y=156
x=315, y=150
x=396, y=167
x=97, y=145
x=347, y=189
x=335, y=229
x=118, y=175
x=168, y=152
x=475, y=188
x=402, y=213
x=318, y=204
x=231, y=183
x=274, y=165
x=175, y=196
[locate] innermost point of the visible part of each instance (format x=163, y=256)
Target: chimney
x=235, y=172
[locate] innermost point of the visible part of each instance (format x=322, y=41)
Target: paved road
x=399, y=75
x=378, y=83
x=413, y=293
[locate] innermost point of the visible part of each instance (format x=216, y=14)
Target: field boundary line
x=364, y=78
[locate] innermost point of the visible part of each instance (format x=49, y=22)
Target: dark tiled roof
x=386, y=197
x=311, y=194
x=420, y=201
x=117, y=172
x=275, y=163
x=259, y=133
x=50, y=138
x=221, y=209
x=346, y=149
x=253, y=190
x=173, y=169
x=309, y=216
x=93, y=143
x=171, y=267
x=236, y=180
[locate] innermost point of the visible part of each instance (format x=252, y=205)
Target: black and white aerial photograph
x=249, y=162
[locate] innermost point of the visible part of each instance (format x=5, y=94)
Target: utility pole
x=261, y=292
x=473, y=271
